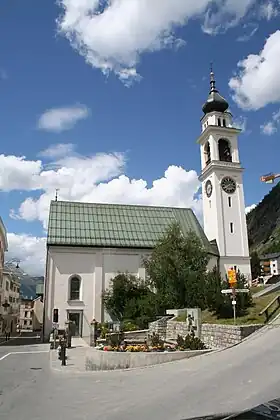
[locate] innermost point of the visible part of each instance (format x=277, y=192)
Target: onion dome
x=215, y=101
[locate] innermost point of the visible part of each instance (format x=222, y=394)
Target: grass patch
x=257, y=289
x=252, y=317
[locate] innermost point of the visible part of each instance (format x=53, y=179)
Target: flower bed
x=139, y=348
x=154, y=344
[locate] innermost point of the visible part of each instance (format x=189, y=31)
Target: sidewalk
x=75, y=362
x=12, y=337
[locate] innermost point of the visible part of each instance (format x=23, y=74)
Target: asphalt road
x=228, y=381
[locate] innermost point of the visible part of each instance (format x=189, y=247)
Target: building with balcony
x=31, y=314
x=10, y=303
x=270, y=264
x=3, y=249
x=26, y=314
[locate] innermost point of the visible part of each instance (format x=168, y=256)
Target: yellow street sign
x=232, y=277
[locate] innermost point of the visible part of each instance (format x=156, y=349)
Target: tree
x=130, y=299
x=213, y=290
x=255, y=265
x=221, y=304
x=176, y=269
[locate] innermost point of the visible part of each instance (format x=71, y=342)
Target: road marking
x=30, y=352
x=4, y=357
x=22, y=352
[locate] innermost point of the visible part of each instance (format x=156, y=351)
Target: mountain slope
x=264, y=223
x=28, y=286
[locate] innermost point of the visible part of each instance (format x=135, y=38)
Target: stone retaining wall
x=136, y=335
x=159, y=327
x=221, y=336
x=213, y=335
x=173, y=329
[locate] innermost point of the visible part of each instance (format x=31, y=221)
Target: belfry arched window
x=224, y=150
x=74, y=288
x=207, y=153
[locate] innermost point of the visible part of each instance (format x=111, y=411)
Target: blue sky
x=124, y=103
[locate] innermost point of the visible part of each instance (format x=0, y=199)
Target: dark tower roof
x=215, y=101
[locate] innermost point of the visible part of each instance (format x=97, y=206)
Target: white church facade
x=88, y=244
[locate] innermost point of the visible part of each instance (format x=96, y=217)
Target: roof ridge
x=54, y=202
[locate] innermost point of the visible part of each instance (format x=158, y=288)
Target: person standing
x=7, y=333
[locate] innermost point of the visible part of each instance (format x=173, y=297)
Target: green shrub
x=115, y=339
x=155, y=341
x=190, y=342
x=130, y=326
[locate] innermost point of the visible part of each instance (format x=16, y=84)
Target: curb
x=84, y=371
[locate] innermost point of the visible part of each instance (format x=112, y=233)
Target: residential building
x=270, y=264
x=31, y=314
x=3, y=249
x=10, y=299
x=38, y=313
x=26, y=314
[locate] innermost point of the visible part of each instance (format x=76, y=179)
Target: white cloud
x=252, y=30
x=257, y=83
x=271, y=127
x=99, y=178
x=226, y=15
x=112, y=35
x=31, y=252
x=241, y=123
x=176, y=188
x=61, y=119
x=250, y=208
x=17, y=173
x=57, y=150
x=270, y=9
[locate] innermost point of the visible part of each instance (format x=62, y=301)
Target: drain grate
x=35, y=368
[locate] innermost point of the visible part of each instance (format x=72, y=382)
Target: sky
x=101, y=99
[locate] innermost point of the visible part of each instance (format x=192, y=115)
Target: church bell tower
x=222, y=184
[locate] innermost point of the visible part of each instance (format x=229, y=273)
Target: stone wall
x=173, y=329
x=213, y=335
x=159, y=327
x=136, y=335
x=221, y=336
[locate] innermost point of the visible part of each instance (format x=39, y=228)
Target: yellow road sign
x=232, y=277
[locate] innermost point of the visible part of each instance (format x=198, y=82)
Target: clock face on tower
x=228, y=185
x=208, y=188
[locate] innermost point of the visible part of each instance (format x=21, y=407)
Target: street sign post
x=233, y=292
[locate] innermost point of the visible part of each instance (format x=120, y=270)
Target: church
x=88, y=244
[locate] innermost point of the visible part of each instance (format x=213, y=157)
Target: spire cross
x=212, y=78
x=56, y=193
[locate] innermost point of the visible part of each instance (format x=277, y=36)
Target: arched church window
x=75, y=287
x=224, y=122
x=207, y=153
x=224, y=151
x=219, y=122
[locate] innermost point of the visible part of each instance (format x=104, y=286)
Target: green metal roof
x=116, y=225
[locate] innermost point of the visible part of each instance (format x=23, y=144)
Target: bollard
x=63, y=353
